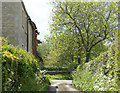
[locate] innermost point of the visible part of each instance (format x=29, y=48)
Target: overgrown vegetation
x=78, y=27
x=20, y=70
x=117, y=57
x=82, y=36
x=80, y=31
x=97, y=75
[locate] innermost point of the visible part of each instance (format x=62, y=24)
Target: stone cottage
x=18, y=27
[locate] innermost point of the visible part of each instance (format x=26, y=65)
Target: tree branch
x=105, y=36
x=75, y=25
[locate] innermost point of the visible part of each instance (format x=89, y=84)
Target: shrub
x=117, y=57
x=20, y=70
x=98, y=74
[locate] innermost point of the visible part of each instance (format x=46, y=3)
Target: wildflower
x=112, y=88
x=113, y=80
x=109, y=80
x=101, y=84
x=101, y=89
x=9, y=79
x=104, y=76
x=96, y=87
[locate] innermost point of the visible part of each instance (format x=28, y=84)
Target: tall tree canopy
x=90, y=23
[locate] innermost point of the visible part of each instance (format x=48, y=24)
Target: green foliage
x=86, y=23
x=20, y=70
x=117, y=57
x=97, y=50
x=43, y=49
x=36, y=83
x=65, y=52
x=97, y=75
x=49, y=68
x=59, y=77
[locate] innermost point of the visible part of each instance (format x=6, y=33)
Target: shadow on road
x=62, y=86
x=52, y=89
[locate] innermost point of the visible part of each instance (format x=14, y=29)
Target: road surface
x=61, y=86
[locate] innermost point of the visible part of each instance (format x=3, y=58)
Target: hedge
x=20, y=70
x=117, y=57
x=98, y=74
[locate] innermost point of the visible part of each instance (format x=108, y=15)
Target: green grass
x=59, y=77
x=55, y=68
x=50, y=81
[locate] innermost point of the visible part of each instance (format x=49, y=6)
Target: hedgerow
x=98, y=74
x=20, y=70
x=117, y=57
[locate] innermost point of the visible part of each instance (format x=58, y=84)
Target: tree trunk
x=87, y=57
x=79, y=54
x=79, y=60
x=72, y=58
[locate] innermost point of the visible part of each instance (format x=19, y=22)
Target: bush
x=117, y=57
x=98, y=74
x=20, y=70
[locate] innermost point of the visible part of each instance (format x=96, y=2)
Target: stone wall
x=8, y=22
x=16, y=26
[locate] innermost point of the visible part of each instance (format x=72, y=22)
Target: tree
x=92, y=23
x=43, y=49
x=66, y=52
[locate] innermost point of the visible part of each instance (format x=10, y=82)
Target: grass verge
x=59, y=77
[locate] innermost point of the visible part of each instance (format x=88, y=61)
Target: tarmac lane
x=62, y=86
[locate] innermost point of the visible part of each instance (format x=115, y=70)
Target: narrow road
x=62, y=85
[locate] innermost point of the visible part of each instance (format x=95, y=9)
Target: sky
x=39, y=12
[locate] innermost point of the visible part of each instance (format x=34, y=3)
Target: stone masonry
x=17, y=25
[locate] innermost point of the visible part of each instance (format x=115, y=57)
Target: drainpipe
x=28, y=19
